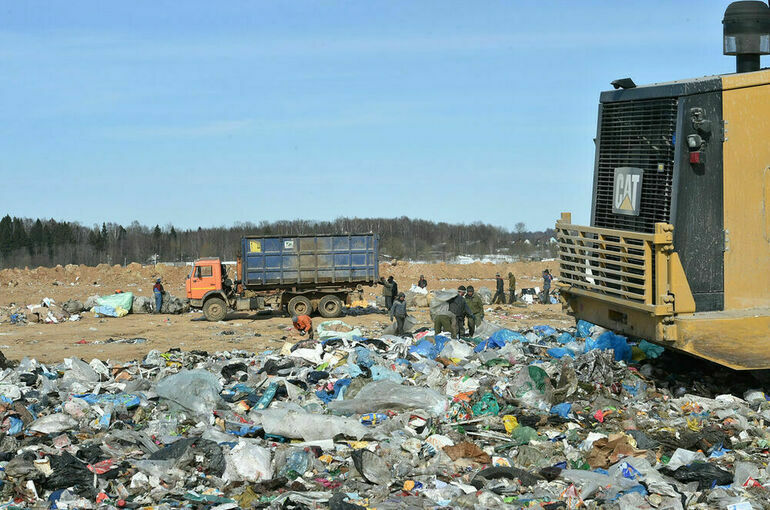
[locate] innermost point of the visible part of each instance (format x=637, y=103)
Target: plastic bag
x=485, y=294
x=456, y=349
x=296, y=423
x=609, y=340
x=562, y=409
x=440, y=301
x=325, y=333
x=196, y=391
x=104, y=311
x=247, y=462
x=584, y=329
x=53, y=424
x=499, y=338
x=486, y=329
x=651, y=350
x=559, y=352
x=544, y=330
x=523, y=435
x=379, y=395
x=123, y=300
x=428, y=349
x=409, y=325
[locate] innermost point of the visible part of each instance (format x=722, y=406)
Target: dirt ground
x=113, y=338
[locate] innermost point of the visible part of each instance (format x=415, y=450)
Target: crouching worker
x=445, y=321
x=304, y=325
x=398, y=310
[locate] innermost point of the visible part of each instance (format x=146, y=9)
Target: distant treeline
x=47, y=242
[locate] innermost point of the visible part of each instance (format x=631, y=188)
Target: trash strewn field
x=540, y=417
x=140, y=410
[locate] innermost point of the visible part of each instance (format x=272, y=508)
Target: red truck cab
x=208, y=287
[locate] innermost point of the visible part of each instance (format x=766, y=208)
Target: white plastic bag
x=247, y=462
x=389, y=395
x=196, y=391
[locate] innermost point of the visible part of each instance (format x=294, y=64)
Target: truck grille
x=638, y=134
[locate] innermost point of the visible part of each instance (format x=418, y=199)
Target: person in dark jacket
x=511, y=288
x=398, y=310
x=157, y=291
x=477, y=308
x=388, y=287
x=422, y=282
x=547, y=278
x=499, y=298
x=460, y=309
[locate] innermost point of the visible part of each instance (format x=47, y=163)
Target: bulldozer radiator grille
x=638, y=134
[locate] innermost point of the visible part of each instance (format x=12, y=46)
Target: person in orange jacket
x=303, y=324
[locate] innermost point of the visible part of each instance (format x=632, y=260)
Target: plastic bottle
x=298, y=461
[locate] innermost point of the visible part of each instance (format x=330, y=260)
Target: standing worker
x=476, y=306
x=460, y=309
x=547, y=277
x=511, y=288
x=398, y=310
x=303, y=324
x=500, y=292
x=387, y=291
x=422, y=282
x=157, y=290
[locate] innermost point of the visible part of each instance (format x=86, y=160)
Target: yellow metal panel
x=736, y=81
x=746, y=111
x=739, y=340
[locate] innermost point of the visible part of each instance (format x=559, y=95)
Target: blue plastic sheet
x=428, y=349
x=559, y=352
x=609, y=340
x=544, y=330
x=565, y=338
x=379, y=373
x=364, y=357
x=562, y=409
x=105, y=310
x=16, y=426
x=650, y=350
x=499, y=338
x=506, y=335
x=489, y=344
x=584, y=329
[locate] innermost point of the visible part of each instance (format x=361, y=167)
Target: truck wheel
x=215, y=309
x=299, y=305
x=330, y=306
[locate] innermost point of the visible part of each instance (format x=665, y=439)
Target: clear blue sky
x=208, y=113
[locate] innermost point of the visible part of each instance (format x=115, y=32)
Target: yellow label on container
x=255, y=247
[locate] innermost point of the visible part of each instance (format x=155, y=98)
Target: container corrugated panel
x=307, y=260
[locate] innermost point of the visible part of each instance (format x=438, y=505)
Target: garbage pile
x=517, y=419
x=113, y=305
x=47, y=312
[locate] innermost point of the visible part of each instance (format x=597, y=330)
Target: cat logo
x=627, y=191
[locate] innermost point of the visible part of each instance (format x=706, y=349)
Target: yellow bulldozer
x=678, y=251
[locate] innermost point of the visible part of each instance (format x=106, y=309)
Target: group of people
x=466, y=306
x=499, y=297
